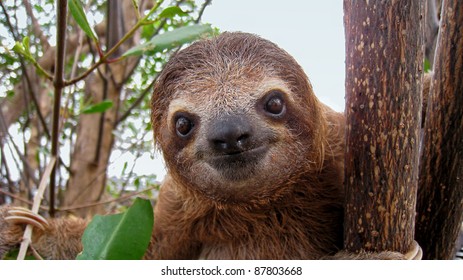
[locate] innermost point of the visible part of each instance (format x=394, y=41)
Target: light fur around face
x=244, y=140
x=213, y=82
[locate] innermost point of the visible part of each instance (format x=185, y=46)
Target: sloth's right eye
x=183, y=126
x=274, y=104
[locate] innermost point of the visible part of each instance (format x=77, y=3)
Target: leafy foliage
x=170, y=39
x=98, y=108
x=122, y=236
x=77, y=12
x=27, y=37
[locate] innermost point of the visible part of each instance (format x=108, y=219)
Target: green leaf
x=170, y=12
x=23, y=48
x=148, y=126
x=26, y=45
x=124, y=236
x=77, y=12
x=171, y=39
x=9, y=59
x=427, y=66
x=124, y=168
x=38, y=8
x=19, y=49
x=101, y=107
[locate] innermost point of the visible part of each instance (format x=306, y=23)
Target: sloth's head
x=236, y=119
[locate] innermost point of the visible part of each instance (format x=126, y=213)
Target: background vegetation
x=113, y=53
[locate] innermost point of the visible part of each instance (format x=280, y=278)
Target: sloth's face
x=236, y=119
x=231, y=138
x=238, y=140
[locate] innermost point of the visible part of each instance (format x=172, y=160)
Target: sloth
x=255, y=161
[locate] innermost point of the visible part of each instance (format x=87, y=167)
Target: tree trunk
x=90, y=159
x=95, y=138
x=440, y=195
x=384, y=63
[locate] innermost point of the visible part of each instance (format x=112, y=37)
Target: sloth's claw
x=18, y=215
x=415, y=252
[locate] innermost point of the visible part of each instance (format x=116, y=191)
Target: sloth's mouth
x=238, y=165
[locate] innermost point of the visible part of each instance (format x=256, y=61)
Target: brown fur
x=61, y=240
x=280, y=198
x=290, y=207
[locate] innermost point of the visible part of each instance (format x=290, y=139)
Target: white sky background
x=311, y=31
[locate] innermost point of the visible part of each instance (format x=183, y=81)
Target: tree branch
x=59, y=84
x=31, y=91
x=384, y=63
x=201, y=11
x=27, y=237
x=109, y=53
x=148, y=88
x=122, y=198
x=440, y=192
x=27, y=167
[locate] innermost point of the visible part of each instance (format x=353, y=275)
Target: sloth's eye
x=275, y=104
x=183, y=126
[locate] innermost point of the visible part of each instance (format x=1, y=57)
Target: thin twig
x=125, y=197
x=148, y=88
x=59, y=85
x=203, y=7
x=27, y=237
x=36, y=254
x=17, y=197
x=108, y=54
x=4, y=165
x=137, y=102
x=4, y=131
x=26, y=75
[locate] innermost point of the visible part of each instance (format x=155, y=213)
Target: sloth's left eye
x=183, y=126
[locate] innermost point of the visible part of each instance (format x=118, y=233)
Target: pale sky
x=311, y=31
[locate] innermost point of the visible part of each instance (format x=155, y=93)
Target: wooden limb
x=384, y=63
x=27, y=238
x=58, y=83
x=440, y=195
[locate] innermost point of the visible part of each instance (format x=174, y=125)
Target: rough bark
x=440, y=195
x=384, y=48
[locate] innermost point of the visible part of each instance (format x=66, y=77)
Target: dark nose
x=230, y=135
